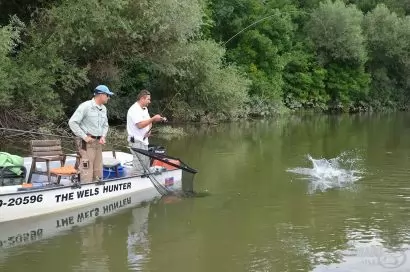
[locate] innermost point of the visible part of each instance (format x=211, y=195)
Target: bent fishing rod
x=245, y=28
x=166, y=106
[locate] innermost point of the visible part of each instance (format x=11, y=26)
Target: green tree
x=258, y=36
x=23, y=9
x=218, y=90
x=336, y=34
x=27, y=91
x=74, y=45
x=335, y=30
x=305, y=83
x=8, y=39
x=399, y=6
x=388, y=43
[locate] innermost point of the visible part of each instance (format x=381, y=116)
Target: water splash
x=342, y=171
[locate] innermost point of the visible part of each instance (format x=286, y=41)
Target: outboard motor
x=156, y=149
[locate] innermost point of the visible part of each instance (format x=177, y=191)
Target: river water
x=298, y=193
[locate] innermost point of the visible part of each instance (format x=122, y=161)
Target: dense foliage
x=203, y=60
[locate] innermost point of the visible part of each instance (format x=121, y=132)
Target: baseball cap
x=102, y=89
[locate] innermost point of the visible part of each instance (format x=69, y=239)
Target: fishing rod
x=166, y=106
x=245, y=28
x=169, y=103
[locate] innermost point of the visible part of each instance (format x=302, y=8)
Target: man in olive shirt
x=90, y=124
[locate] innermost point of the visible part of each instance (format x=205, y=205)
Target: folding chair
x=48, y=151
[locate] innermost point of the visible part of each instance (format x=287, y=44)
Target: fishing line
x=166, y=106
x=242, y=30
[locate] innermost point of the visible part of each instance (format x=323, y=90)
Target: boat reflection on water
x=138, y=246
x=15, y=236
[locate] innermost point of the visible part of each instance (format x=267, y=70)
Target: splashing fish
x=325, y=174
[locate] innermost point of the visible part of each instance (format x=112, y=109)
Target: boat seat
x=48, y=151
x=67, y=170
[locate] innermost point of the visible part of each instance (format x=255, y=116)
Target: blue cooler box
x=109, y=172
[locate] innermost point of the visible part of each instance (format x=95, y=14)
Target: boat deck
x=40, y=182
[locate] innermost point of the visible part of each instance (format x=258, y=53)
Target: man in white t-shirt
x=139, y=125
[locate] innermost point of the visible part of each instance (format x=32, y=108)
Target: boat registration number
x=16, y=201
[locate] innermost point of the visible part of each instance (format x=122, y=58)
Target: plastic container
x=109, y=172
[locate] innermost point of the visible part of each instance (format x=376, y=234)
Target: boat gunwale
x=83, y=184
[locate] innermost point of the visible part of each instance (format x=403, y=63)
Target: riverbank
x=31, y=127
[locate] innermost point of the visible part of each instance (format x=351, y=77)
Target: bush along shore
x=226, y=60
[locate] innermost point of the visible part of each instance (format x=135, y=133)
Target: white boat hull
x=16, y=204
x=26, y=231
